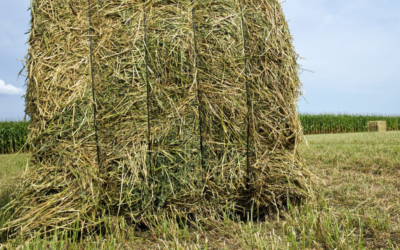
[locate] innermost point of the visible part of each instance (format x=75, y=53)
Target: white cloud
x=8, y=89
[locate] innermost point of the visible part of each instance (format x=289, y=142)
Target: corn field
x=344, y=123
x=13, y=136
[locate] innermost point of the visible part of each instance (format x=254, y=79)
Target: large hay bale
x=376, y=126
x=211, y=123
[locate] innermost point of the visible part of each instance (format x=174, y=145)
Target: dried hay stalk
x=197, y=82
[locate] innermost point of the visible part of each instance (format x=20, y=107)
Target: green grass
x=13, y=136
x=344, y=123
x=11, y=169
x=357, y=207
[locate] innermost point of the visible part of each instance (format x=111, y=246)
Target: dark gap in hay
x=65, y=180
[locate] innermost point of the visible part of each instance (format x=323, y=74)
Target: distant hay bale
x=194, y=112
x=377, y=126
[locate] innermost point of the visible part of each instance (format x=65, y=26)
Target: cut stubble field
x=357, y=206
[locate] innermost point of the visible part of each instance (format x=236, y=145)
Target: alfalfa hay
x=193, y=112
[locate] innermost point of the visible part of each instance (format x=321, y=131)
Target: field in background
x=357, y=206
x=13, y=135
x=344, y=123
x=11, y=169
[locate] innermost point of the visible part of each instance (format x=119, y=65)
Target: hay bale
x=192, y=109
x=376, y=126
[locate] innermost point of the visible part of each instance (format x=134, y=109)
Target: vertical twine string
x=146, y=56
x=93, y=87
x=199, y=99
x=248, y=102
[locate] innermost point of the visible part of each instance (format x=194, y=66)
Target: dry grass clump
x=193, y=112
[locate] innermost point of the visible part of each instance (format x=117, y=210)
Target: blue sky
x=14, y=22
x=352, y=47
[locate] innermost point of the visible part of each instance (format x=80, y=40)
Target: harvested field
x=358, y=207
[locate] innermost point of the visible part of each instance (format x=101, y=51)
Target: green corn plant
x=13, y=136
x=344, y=123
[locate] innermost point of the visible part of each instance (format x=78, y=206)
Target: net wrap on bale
x=188, y=107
